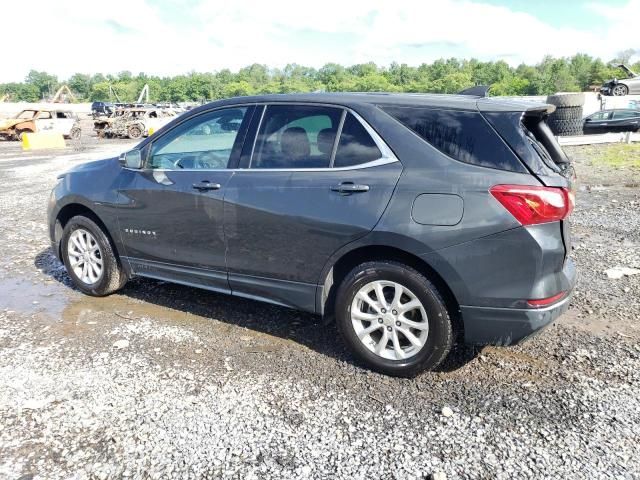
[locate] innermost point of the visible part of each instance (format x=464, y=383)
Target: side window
x=356, y=145
x=206, y=141
x=602, y=116
x=44, y=116
x=462, y=135
x=296, y=136
x=619, y=115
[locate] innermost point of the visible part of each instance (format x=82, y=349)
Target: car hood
x=94, y=165
x=10, y=122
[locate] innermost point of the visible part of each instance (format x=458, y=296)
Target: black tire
x=567, y=113
x=440, y=336
x=113, y=276
x=566, y=99
x=565, y=127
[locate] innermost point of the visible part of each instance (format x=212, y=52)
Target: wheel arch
x=74, y=209
x=341, y=266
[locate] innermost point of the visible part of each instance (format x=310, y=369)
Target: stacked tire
x=567, y=119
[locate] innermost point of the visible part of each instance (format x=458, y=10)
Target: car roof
x=634, y=110
x=456, y=102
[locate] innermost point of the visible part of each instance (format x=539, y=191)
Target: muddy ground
x=165, y=381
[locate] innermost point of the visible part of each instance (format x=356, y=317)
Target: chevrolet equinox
x=414, y=220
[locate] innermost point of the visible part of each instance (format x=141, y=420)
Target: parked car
x=133, y=123
x=620, y=120
x=621, y=87
x=41, y=120
x=413, y=220
x=99, y=109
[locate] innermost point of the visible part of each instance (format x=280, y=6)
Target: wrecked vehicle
x=133, y=123
x=40, y=120
x=621, y=87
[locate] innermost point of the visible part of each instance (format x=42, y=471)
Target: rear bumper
x=510, y=326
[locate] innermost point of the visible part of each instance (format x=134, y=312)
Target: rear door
x=626, y=120
x=315, y=179
x=63, y=122
x=172, y=226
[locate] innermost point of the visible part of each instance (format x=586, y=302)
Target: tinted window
x=601, y=116
x=625, y=114
x=462, y=135
x=356, y=145
x=205, y=141
x=296, y=136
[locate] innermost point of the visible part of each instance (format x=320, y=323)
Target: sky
x=163, y=37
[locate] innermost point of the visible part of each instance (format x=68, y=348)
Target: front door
x=172, y=225
x=316, y=181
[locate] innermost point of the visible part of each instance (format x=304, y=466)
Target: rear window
x=462, y=135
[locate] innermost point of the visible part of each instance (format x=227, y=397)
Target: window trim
x=387, y=154
x=388, y=157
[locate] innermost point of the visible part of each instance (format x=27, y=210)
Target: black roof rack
x=477, y=91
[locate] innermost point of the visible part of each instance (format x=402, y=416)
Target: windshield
x=27, y=114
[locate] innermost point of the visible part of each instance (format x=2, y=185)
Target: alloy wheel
x=389, y=320
x=619, y=90
x=85, y=257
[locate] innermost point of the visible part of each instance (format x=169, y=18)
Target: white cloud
x=68, y=36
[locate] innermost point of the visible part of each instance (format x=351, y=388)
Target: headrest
x=295, y=143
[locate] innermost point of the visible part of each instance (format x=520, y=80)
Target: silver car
x=622, y=87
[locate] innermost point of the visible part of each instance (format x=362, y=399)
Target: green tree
x=45, y=83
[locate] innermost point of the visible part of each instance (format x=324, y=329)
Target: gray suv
x=414, y=220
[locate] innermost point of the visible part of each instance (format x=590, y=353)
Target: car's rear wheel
x=75, y=133
x=90, y=259
x=393, y=318
x=135, y=131
x=620, y=90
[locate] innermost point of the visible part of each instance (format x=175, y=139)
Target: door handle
x=349, y=187
x=206, y=185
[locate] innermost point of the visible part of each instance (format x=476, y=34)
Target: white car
x=41, y=120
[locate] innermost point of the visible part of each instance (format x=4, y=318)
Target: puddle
x=27, y=297
x=120, y=306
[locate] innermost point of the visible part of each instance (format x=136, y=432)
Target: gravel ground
x=164, y=381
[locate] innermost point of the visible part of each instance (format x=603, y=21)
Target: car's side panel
x=282, y=225
x=169, y=222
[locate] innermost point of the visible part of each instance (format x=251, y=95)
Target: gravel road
x=165, y=381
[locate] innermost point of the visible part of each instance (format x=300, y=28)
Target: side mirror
x=588, y=119
x=131, y=159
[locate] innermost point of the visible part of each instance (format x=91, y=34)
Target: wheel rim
x=389, y=320
x=85, y=256
x=619, y=90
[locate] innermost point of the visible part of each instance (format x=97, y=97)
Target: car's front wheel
x=393, y=318
x=90, y=259
x=620, y=90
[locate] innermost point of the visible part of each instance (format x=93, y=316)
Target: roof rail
x=477, y=91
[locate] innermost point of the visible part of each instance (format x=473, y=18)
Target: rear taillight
x=531, y=205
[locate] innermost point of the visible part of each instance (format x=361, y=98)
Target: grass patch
x=618, y=155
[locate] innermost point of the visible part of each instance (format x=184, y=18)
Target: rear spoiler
x=477, y=91
x=528, y=108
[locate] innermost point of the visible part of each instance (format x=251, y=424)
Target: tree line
x=576, y=73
